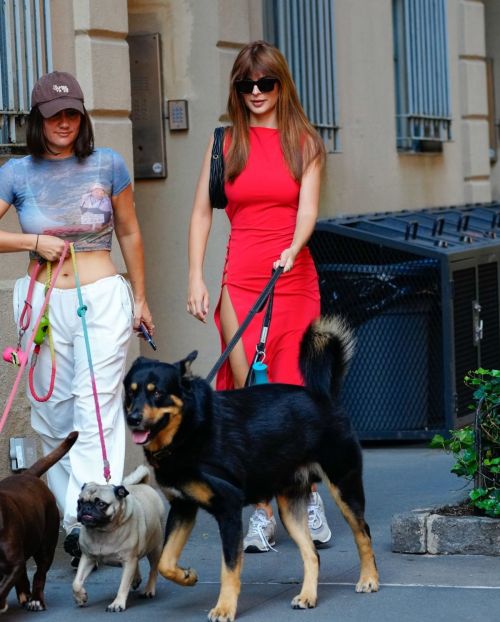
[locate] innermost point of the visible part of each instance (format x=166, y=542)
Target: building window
x=423, y=120
x=25, y=55
x=304, y=32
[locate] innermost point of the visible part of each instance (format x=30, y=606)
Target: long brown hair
x=37, y=145
x=300, y=142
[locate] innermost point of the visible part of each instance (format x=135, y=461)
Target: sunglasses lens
x=266, y=85
x=244, y=86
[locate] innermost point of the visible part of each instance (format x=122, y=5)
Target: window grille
x=25, y=55
x=423, y=117
x=304, y=32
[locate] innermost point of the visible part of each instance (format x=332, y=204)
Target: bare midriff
x=92, y=266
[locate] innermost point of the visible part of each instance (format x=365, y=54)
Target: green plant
x=476, y=448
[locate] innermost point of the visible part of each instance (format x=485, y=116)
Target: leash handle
x=25, y=318
x=259, y=303
x=31, y=339
x=44, y=330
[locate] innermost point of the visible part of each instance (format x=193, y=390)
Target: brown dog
x=29, y=527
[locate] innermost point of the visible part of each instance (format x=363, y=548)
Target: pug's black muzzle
x=90, y=516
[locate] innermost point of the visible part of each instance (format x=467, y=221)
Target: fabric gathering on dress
x=262, y=209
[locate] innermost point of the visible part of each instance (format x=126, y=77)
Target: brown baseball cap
x=57, y=91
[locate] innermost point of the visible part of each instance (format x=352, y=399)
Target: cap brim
x=49, y=109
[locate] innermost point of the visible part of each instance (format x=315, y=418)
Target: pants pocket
x=18, y=296
x=127, y=299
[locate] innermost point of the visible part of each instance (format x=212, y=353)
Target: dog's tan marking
x=165, y=436
x=133, y=386
x=230, y=586
x=172, y=550
x=368, y=577
x=295, y=520
x=150, y=387
x=177, y=401
x=202, y=493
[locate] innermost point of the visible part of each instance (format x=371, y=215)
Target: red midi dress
x=262, y=209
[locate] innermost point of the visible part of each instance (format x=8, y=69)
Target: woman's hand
x=49, y=247
x=286, y=260
x=198, y=302
x=143, y=314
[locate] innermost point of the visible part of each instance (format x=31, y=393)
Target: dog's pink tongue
x=140, y=438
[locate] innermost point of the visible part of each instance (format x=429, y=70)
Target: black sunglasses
x=265, y=85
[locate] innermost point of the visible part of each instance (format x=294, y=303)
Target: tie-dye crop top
x=66, y=198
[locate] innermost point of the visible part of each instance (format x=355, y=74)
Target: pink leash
x=24, y=359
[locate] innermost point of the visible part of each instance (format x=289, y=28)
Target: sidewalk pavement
x=413, y=588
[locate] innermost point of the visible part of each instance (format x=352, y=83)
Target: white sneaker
x=316, y=520
x=261, y=532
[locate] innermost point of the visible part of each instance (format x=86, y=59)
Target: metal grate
x=465, y=351
x=489, y=300
x=391, y=298
x=421, y=70
x=25, y=55
x=304, y=31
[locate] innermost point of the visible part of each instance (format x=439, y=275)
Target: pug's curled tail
x=325, y=351
x=141, y=475
x=47, y=461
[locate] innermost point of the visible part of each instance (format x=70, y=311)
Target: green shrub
x=476, y=448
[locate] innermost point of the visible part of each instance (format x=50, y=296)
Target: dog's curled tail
x=47, y=461
x=139, y=476
x=325, y=351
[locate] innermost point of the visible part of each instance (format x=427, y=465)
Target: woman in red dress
x=273, y=159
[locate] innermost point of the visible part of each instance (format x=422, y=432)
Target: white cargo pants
x=109, y=320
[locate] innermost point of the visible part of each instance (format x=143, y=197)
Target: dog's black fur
x=224, y=450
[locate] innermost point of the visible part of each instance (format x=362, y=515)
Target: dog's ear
x=185, y=364
x=120, y=492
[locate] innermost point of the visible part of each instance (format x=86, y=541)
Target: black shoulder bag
x=216, y=183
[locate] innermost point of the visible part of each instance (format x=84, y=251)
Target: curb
x=424, y=531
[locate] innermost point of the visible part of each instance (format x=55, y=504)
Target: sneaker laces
x=314, y=519
x=258, y=522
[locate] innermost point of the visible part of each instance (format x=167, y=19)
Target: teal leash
x=81, y=311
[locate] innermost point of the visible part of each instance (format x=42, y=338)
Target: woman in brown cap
x=68, y=191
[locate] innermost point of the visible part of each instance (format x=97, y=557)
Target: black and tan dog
x=224, y=450
x=29, y=527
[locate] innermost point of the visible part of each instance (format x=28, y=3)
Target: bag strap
x=259, y=303
x=216, y=181
x=217, y=151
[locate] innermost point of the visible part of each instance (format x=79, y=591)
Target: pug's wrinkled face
x=99, y=504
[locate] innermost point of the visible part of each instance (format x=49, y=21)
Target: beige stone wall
x=492, y=22
x=369, y=174
x=473, y=102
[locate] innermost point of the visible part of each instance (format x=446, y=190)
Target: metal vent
x=488, y=299
x=391, y=299
x=465, y=351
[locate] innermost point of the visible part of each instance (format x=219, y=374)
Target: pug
x=119, y=526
